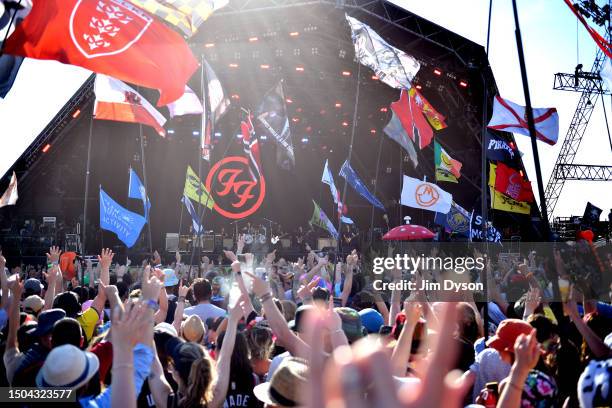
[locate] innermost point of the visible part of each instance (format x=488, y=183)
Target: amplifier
x=326, y=242
x=228, y=243
x=172, y=242
x=208, y=243
x=285, y=242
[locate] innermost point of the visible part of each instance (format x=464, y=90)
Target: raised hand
x=182, y=290
x=260, y=286
x=352, y=258
x=151, y=286
x=127, y=326
x=2, y=263
x=532, y=301
x=412, y=311
x=105, y=259
x=156, y=258
x=249, y=258
x=16, y=286
x=526, y=352
x=305, y=291
x=240, y=244
x=54, y=254
x=271, y=257
x=230, y=255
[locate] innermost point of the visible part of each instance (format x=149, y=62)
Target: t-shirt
x=240, y=392
x=488, y=367
x=205, y=310
x=88, y=320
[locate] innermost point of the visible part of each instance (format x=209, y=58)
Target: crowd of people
x=267, y=332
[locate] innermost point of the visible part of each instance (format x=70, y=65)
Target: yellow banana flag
x=502, y=202
x=195, y=190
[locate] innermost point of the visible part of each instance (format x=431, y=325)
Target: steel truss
x=583, y=172
x=580, y=82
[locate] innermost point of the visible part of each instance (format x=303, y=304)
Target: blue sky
x=549, y=37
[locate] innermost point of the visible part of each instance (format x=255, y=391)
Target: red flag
x=511, y=183
x=111, y=37
x=413, y=121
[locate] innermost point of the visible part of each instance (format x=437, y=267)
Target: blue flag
x=125, y=224
x=194, y=215
x=457, y=220
x=328, y=178
x=137, y=190
x=353, y=179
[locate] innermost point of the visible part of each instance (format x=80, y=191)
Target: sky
x=553, y=43
x=551, y=38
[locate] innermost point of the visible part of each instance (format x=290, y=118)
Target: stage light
x=304, y=140
x=264, y=66
x=322, y=111
x=235, y=96
x=463, y=84
x=374, y=78
x=309, y=129
x=263, y=137
x=373, y=131
x=383, y=109
x=437, y=71
x=253, y=39
x=196, y=133
x=338, y=105
x=511, y=144
x=46, y=148
x=289, y=100
x=299, y=69
x=170, y=131
x=294, y=34
x=346, y=73
x=209, y=45
x=233, y=65
x=295, y=120
x=418, y=87
x=331, y=151
x=239, y=136
x=342, y=54
x=218, y=134
x=521, y=173
x=299, y=110
x=76, y=113
x=296, y=52
x=345, y=123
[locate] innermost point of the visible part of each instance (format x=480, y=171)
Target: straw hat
x=68, y=367
x=193, y=329
x=289, y=379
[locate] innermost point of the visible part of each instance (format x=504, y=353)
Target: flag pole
x=146, y=186
x=350, y=154
x=86, y=196
x=530, y=121
x=375, y=189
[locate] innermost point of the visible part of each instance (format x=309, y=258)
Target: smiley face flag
x=425, y=196
x=447, y=168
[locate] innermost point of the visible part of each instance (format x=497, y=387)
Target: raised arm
x=180, y=306
x=401, y=351
x=396, y=297
x=104, y=261
x=3, y=283
x=53, y=277
x=597, y=346
x=527, y=353
x=16, y=287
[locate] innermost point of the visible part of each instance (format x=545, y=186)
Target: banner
x=447, y=168
x=355, y=182
x=502, y=202
x=510, y=182
x=491, y=233
x=195, y=190
x=499, y=149
x=111, y=37
x=320, y=219
x=425, y=196
x=188, y=104
x=272, y=114
x=218, y=104
x=391, y=65
x=137, y=190
x=457, y=220
x=125, y=224
x=591, y=213
x=10, y=195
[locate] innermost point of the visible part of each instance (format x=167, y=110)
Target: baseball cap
x=193, y=329
x=371, y=319
x=33, y=286
x=183, y=354
x=33, y=304
x=46, y=320
x=286, y=384
x=507, y=333
x=300, y=314
x=164, y=327
x=351, y=323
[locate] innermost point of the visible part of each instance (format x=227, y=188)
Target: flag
x=194, y=188
x=510, y=117
x=320, y=219
x=354, y=181
x=328, y=178
x=606, y=73
x=125, y=224
x=137, y=190
x=250, y=144
x=111, y=37
x=218, y=105
x=447, y=168
x=499, y=149
x=396, y=132
x=10, y=196
x=195, y=220
x=410, y=111
x=601, y=42
x=12, y=13
x=502, y=202
x=188, y=104
x=457, y=220
x=118, y=101
x=272, y=114
x=9, y=68
x=591, y=213
x=435, y=118
x=511, y=183
x=392, y=66
x=426, y=196
x=186, y=15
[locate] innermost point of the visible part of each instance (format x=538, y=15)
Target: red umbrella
x=408, y=232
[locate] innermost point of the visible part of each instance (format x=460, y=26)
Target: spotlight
x=345, y=123
x=218, y=134
x=374, y=78
x=463, y=84
x=299, y=69
x=196, y=133
x=46, y=148
x=418, y=87
x=289, y=100
x=304, y=140
x=235, y=96
x=170, y=131
x=338, y=105
x=383, y=109
x=76, y=113
x=233, y=65
x=209, y=45
x=299, y=110
x=239, y=136
x=253, y=39
x=373, y=131
x=437, y=71
x=264, y=66
x=295, y=120
x=294, y=34
x=346, y=73
x=263, y=137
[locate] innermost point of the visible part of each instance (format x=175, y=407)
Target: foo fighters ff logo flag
x=111, y=37
x=426, y=196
